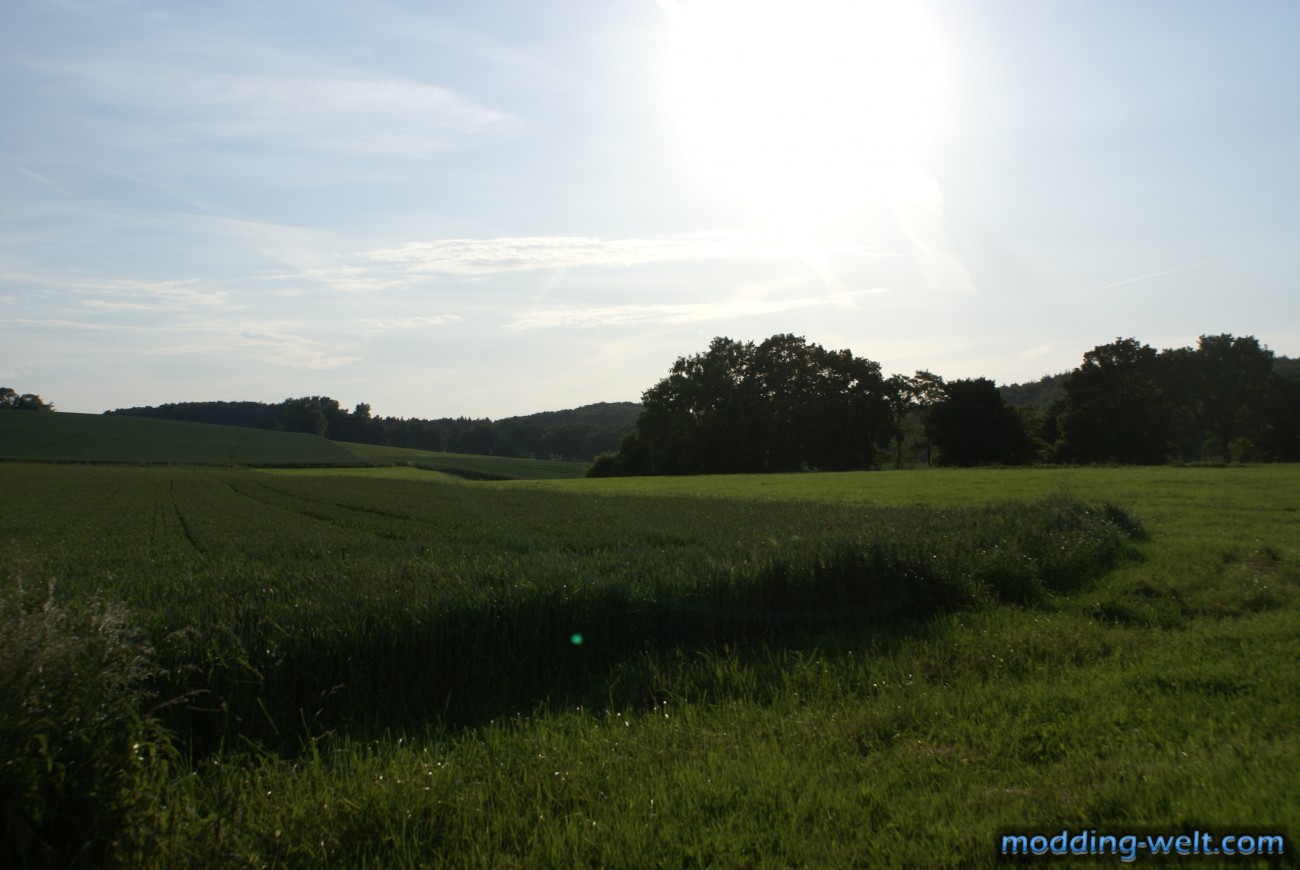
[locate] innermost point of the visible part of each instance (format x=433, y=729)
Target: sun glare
x=807, y=109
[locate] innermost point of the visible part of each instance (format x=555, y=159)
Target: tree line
x=12, y=400
x=785, y=405
x=577, y=435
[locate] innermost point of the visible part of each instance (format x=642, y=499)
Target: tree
x=698, y=418
x=303, y=415
x=782, y=405
x=924, y=390
x=11, y=400
x=565, y=442
x=1232, y=386
x=848, y=414
x=1117, y=408
x=1279, y=434
x=973, y=425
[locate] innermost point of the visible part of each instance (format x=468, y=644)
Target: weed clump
x=78, y=753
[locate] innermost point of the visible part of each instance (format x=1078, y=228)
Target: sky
x=495, y=208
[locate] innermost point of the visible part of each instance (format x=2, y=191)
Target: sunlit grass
x=690, y=727
x=472, y=466
x=397, y=472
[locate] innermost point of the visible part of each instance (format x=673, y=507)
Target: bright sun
x=807, y=109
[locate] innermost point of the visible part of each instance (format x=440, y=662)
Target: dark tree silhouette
x=1232, y=384
x=12, y=400
x=781, y=405
x=973, y=425
x=1117, y=408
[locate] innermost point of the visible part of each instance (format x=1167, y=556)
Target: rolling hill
x=65, y=437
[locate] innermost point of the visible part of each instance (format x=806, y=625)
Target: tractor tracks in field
x=180, y=518
x=315, y=509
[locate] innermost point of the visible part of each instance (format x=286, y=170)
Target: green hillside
x=620, y=415
x=469, y=466
x=67, y=437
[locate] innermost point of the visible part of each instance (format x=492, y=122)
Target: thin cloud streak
x=1155, y=275
x=395, y=323
x=335, y=111
x=1135, y=279
x=271, y=344
x=52, y=323
x=697, y=312
x=487, y=256
x=166, y=296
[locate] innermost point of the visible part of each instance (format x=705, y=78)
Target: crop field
x=471, y=466
x=64, y=437
x=391, y=667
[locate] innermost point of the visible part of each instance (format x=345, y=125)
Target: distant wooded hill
x=577, y=434
x=1036, y=395
x=1050, y=424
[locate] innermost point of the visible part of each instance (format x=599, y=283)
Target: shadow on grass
x=393, y=663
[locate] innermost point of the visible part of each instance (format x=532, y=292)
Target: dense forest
x=578, y=434
x=786, y=405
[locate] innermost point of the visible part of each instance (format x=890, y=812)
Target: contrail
x=1118, y=284
x=1153, y=275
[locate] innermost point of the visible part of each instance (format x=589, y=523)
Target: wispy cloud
x=326, y=110
x=1034, y=353
x=155, y=296
x=918, y=209
x=393, y=323
x=80, y=291
x=358, y=115
x=486, y=256
x=42, y=179
x=58, y=323
x=295, y=351
x=270, y=344
x=695, y=312
x=344, y=278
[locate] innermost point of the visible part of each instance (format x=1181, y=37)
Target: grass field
x=67, y=437
x=99, y=438
x=879, y=669
x=471, y=466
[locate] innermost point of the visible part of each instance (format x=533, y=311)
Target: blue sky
x=495, y=208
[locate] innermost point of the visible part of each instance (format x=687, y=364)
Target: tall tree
x=305, y=414
x=973, y=425
x=782, y=405
x=1279, y=435
x=1232, y=386
x=1117, y=408
x=910, y=401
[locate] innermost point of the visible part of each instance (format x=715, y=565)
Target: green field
x=66, y=437
x=385, y=668
x=471, y=466
x=107, y=438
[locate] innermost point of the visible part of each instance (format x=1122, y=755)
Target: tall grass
x=81, y=758
x=364, y=651
x=381, y=672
